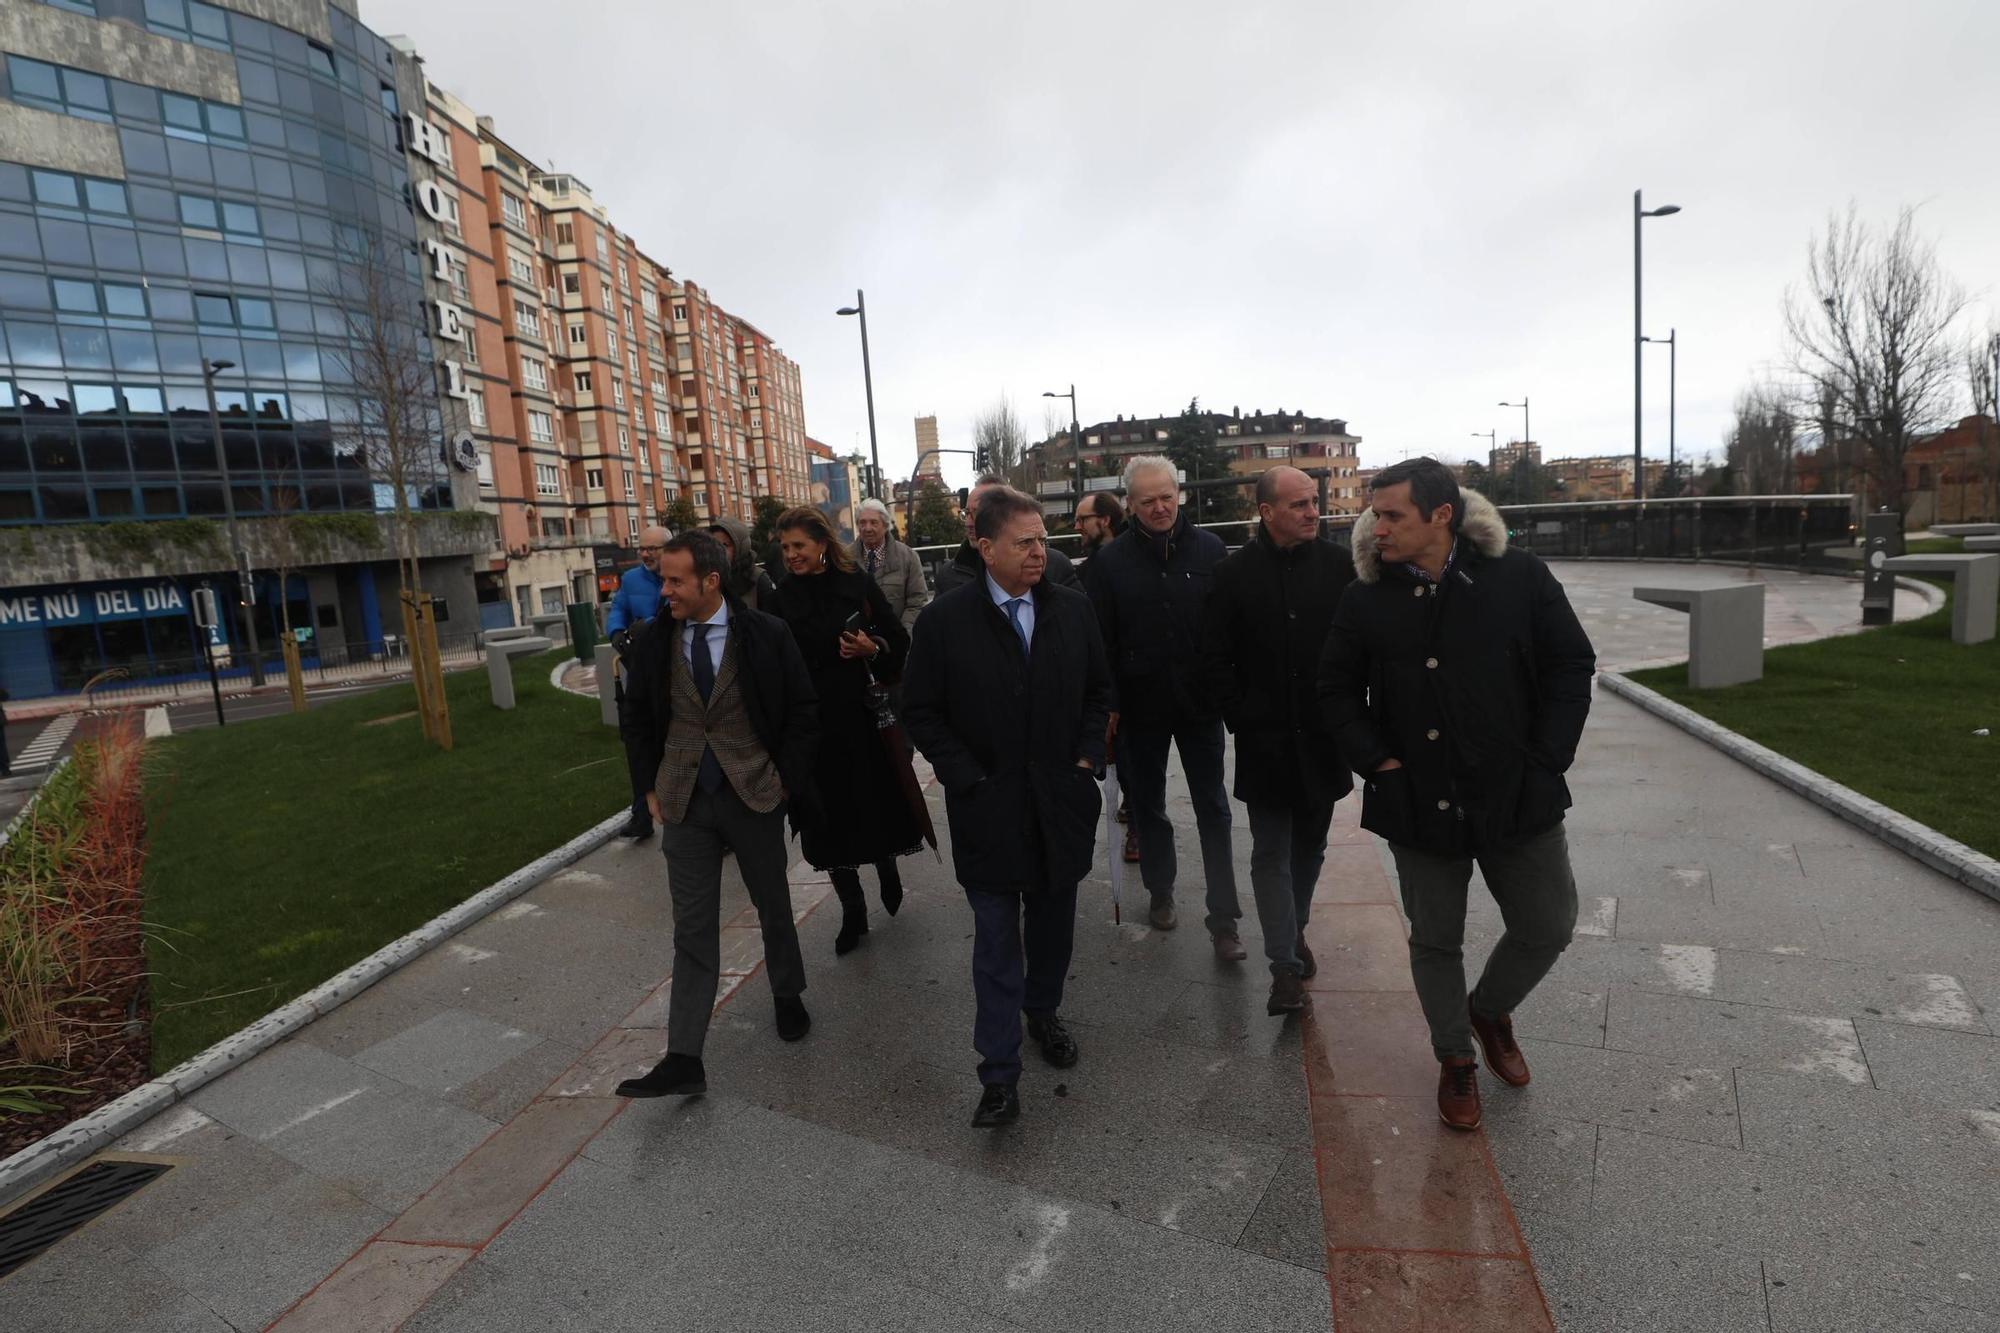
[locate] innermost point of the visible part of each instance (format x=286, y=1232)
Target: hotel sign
x=429, y=143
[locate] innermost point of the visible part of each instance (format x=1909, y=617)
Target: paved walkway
x=1766, y=1096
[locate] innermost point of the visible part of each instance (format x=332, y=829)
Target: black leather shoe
x=793, y=1020
x=638, y=826
x=853, y=925
x=998, y=1105
x=675, y=1076
x=1308, y=965
x=1058, y=1047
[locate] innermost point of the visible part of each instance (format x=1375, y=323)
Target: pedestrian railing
x=170, y=681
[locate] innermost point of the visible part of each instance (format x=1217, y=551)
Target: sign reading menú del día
x=87, y=605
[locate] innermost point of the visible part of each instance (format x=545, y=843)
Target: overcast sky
x=1395, y=214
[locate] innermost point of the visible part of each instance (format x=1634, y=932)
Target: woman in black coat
x=850, y=638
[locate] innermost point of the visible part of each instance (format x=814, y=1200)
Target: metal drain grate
x=50, y=1216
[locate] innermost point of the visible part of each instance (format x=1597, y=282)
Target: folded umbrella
x=897, y=747
x=1112, y=841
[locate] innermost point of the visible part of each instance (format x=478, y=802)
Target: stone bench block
x=1725, y=630
x=499, y=664
x=1975, y=587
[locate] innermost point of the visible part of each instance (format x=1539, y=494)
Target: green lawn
x=285, y=850
x=1889, y=712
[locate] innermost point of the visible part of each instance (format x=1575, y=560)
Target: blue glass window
x=124, y=301
x=57, y=189
x=87, y=94
x=75, y=296
x=253, y=313
x=105, y=197
x=240, y=218
x=224, y=122
x=181, y=112
x=34, y=81
x=198, y=211
x=210, y=309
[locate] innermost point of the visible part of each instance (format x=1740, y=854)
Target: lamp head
x=1664, y=210
x=847, y=310
x=216, y=367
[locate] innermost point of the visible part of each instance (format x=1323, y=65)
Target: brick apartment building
x=1255, y=443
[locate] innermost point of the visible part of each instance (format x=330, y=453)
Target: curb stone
x=79, y=1139
x=1965, y=864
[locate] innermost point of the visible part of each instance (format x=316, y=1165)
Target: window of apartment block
x=593, y=478
x=680, y=311
x=604, y=297
x=534, y=374
x=548, y=481
x=486, y=469
x=513, y=209
x=581, y=378
x=542, y=430
x=577, y=337
x=611, y=342
x=618, y=391
x=660, y=419
x=526, y=320
x=624, y=440
x=565, y=233
x=519, y=268
x=649, y=302
x=628, y=482
x=573, y=283
x=475, y=408
x=1277, y=451
x=469, y=349
x=552, y=598
x=603, y=249
x=623, y=280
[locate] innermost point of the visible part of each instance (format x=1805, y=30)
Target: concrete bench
x=502, y=647
x=607, y=684
x=1725, y=631
x=1975, y=586
x=1977, y=544
x=1965, y=529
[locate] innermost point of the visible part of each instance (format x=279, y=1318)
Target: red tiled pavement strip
x=1419, y=1234
x=385, y=1283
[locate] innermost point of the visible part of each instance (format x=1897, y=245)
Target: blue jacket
x=637, y=599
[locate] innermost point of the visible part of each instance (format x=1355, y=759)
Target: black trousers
x=1021, y=945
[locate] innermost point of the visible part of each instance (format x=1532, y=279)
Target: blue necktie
x=709, y=775
x=1014, y=615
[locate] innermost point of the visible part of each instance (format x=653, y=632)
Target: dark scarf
x=1163, y=544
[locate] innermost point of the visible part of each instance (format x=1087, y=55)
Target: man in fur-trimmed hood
x=1457, y=680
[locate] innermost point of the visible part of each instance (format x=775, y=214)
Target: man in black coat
x=1457, y=679
x=1261, y=632
x=968, y=567
x=1007, y=694
x=719, y=707
x=1148, y=585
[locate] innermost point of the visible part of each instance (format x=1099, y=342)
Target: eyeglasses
x=654, y=549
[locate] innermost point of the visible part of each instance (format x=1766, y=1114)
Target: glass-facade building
x=199, y=184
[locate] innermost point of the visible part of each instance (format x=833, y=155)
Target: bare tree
x=1873, y=330
x=1762, y=442
x=998, y=430
x=1982, y=378
x=398, y=428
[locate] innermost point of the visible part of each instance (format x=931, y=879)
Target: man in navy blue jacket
x=637, y=601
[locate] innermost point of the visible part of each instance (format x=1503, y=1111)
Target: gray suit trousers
x=694, y=877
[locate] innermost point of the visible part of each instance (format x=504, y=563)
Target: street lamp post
x=1076, y=444
x=1489, y=436
x=1639, y=214
x=209, y=370
x=860, y=307
x=1527, y=433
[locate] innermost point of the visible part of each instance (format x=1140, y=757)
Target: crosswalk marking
x=38, y=752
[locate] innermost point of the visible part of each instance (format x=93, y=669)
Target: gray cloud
x=1396, y=214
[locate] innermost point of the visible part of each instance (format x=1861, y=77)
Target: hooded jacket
x=746, y=582
x=1479, y=684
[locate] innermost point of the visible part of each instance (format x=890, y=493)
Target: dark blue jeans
x=1021, y=947
x=1142, y=769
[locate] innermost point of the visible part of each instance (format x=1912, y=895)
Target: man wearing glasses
x=637, y=601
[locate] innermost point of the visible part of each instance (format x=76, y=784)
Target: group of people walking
x=1446, y=670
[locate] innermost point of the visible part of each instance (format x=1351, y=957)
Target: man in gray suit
x=894, y=566
x=719, y=706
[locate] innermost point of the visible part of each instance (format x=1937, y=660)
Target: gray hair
x=872, y=506
x=1147, y=463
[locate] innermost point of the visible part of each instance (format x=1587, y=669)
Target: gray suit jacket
x=900, y=576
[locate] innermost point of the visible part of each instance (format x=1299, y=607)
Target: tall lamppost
x=209, y=370
x=860, y=307
x=1639, y=214
x=1526, y=433
x=1076, y=444
x=1489, y=436
x=1672, y=340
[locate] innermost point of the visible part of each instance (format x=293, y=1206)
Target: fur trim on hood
x=1482, y=527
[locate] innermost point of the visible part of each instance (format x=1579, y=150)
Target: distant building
x=930, y=463
x=1256, y=443
x=1509, y=456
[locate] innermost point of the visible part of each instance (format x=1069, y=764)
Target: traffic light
x=980, y=456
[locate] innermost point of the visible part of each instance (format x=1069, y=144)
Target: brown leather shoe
x=1458, y=1093
x=1308, y=965
x=1131, y=843
x=1161, y=915
x=1503, y=1056
x=1229, y=948
x=1288, y=994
